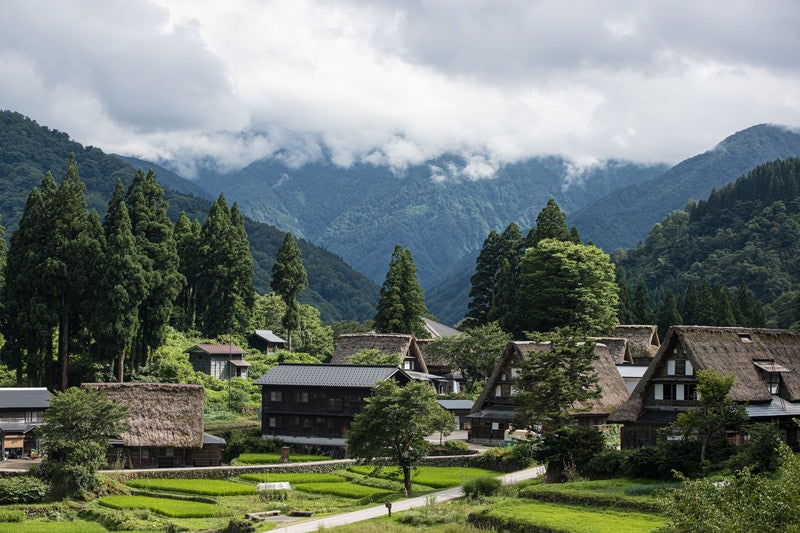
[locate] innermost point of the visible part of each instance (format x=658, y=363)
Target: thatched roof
x=729, y=351
x=160, y=414
x=618, y=348
x=349, y=344
x=613, y=389
x=643, y=339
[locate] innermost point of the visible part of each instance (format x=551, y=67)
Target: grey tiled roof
x=320, y=375
x=22, y=398
x=269, y=336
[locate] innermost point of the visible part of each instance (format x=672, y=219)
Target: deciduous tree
x=394, y=424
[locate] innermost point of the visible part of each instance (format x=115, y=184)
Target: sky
x=223, y=83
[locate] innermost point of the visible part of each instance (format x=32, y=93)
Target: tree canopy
x=288, y=279
x=402, y=304
x=394, y=424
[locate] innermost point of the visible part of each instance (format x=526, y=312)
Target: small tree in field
x=394, y=425
x=78, y=426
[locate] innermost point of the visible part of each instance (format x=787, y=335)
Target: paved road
x=401, y=505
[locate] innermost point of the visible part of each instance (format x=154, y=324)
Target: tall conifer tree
x=154, y=239
x=402, y=305
x=484, y=281
x=188, y=243
x=289, y=277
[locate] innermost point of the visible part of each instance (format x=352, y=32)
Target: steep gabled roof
x=349, y=344
x=217, y=349
x=728, y=351
x=437, y=331
x=643, y=339
x=160, y=414
x=328, y=375
x=618, y=348
x=613, y=389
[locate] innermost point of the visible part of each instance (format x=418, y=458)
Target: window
x=273, y=423
x=691, y=391
x=335, y=404
x=302, y=397
x=671, y=367
x=514, y=373
x=498, y=391
x=679, y=392
x=275, y=396
x=667, y=391
x=688, y=368
x=408, y=364
x=773, y=382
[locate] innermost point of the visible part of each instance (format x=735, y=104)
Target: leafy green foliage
x=22, y=489
x=394, y=424
x=742, y=240
x=78, y=426
x=742, y=502
x=716, y=412
x=480, y=487
x=563, y=284
x=474, y=352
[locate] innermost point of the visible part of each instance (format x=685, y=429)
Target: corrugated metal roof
x=776, y=407
x=321, y=375
x=24, y=397
x=456, y=404
x=269, y=336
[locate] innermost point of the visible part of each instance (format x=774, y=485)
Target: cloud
x=398, y=83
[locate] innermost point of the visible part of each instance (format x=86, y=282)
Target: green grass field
x=274, y=458
x=207, y=487
x=345, y=490
x=572, y=519
x=164, y=506
x=38, y=526
x=293, y=477
x=437, y=477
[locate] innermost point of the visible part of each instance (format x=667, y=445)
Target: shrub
x=11, y=515
x=604, y=465
x=238, y=525
x=481, y=486
x=761, y=451
x=22, y=489
x=249, y=441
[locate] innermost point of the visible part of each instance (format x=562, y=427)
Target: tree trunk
x=120, y=365
x=407, y=480
x=63, y=350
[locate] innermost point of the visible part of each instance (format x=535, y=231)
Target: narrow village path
x=397, y=506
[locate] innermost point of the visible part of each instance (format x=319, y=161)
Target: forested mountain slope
x=622, y=218
x=748, y=231
x=433, y=209
x=28, y=151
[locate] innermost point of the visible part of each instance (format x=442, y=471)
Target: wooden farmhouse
x=312, y=405
x=21, y=411
x=493, y=412
x=440, y=365
x=265, y=341
x=222, y=361
x=765, y=364
x=165, y=426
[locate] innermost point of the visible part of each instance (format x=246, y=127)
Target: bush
x=481, y=486
x=240, y=442
x=604, y=465
x=22, y=489
x=761, y=451
x=11, y=515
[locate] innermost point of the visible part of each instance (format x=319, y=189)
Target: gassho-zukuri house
x=765, y=364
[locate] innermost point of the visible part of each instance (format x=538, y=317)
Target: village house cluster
x=644, y=384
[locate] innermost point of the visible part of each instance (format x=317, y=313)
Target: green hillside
x=28, y=151
x=748, y=231
x=622, y=218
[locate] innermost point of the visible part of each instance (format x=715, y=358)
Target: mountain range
x=442, y=216
x=28, y=151
x=438, y=210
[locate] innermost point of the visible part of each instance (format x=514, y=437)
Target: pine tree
x=122, y=285
x=705, y=305
x=746, y=309
x=188, y=244
x=289, y=277
x=506, y=304
x=484, y=281
x=74, y=254
x=28, y=319
x=402, y=304
x=642, y=314
x=153, y=231
x=667, y=315
x=625, y=312
x=722, y=307
x=689, y=310
x=550, y=224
